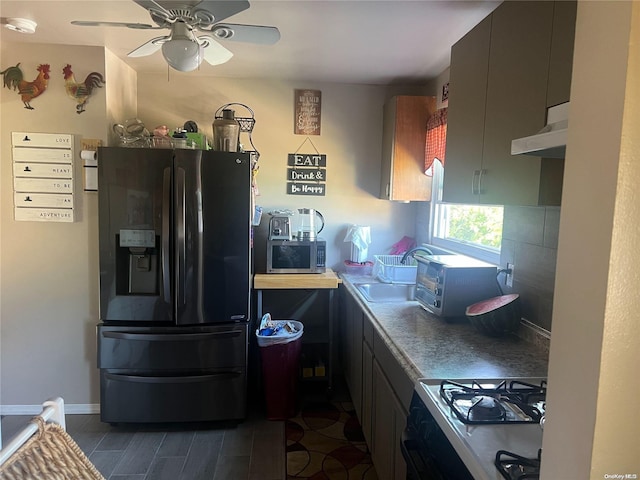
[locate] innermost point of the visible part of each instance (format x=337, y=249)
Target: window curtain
x=436, y=140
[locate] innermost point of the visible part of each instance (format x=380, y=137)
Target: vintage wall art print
x=307, y=112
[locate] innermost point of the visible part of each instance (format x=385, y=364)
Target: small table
x=328, y=280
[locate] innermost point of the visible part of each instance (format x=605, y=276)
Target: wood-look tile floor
x=251, y=450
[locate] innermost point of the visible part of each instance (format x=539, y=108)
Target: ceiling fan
x=195, y=28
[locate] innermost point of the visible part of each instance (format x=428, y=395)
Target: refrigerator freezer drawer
x=172, y=350
x=189, y=398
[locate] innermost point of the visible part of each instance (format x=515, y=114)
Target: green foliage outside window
x=475, y=224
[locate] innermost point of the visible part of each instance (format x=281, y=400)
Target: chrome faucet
x=413, y=250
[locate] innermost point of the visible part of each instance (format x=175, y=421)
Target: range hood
x=551, y=141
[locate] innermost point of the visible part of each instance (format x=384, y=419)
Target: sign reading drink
x=307, y=174
x=307, y=112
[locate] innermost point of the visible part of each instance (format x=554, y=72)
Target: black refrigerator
x=175, y=281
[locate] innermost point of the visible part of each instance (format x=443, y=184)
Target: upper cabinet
x=561, y=59
x=465, y=118
x=403, y=144
x=503, y=75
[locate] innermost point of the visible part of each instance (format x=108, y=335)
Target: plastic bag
x=360, y=238
x=277, y=332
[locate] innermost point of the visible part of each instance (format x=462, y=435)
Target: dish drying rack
x=246, y=126
x=390, y=269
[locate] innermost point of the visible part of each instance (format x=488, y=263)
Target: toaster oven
x=447, y=284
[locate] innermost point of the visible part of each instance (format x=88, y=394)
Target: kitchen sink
x=386, y=292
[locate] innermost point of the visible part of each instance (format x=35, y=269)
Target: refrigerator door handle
x=156, y=337
x=166, y=203
x=181, y=279
x=176, y=379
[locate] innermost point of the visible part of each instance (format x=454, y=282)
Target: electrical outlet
x=508, y=277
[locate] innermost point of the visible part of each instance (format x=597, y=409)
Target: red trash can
x=280, y=370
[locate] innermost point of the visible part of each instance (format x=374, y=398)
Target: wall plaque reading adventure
x=43, y=176
x=306, y=174
x=307, y=112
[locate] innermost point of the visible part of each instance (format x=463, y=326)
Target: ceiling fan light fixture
x=182, y=54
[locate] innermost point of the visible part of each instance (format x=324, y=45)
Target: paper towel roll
x=360, y=238
x=89, y=158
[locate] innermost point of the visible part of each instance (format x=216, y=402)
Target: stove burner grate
x=515, y=402
x=485, y=408
x=515, y=467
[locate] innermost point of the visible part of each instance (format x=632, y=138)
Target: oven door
x=426, y=449
x=418, y=467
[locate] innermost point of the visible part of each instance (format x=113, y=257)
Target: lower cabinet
x=389, y=420
x=351, y=349
x=384, y=414
x=366, y=421
x=378, y=400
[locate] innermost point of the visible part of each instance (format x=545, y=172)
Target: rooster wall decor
x=81, y=92
x=13, y=78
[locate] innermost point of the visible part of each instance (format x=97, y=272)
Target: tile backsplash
x=530, y=242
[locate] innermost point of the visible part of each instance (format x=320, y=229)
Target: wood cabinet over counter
x=403, y=143
x=504, y=74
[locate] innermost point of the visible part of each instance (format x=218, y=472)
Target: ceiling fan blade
x=148, y=48
x=213, y=52
x=222, y=9
x=247, y=33
x=152, y=4
x=89, y=23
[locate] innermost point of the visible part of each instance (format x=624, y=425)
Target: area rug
x=325, y=442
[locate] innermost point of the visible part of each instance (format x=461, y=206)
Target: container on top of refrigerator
x=226, y=132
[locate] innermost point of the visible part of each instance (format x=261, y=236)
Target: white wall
x=49, y=271
x=121, y=95
x=350, y=137
x=593, y=416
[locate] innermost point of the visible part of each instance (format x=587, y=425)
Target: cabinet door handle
x=480, y=189
x=475, y=186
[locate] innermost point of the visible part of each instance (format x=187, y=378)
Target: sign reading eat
x=306, y=160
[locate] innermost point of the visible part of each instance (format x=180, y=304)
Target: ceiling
x=379, y=42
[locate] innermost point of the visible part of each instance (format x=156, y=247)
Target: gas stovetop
x=516, y=467
x=483, y=417
x=511, y=401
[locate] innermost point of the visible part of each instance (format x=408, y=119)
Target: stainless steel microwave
x=447, y=284
x=296, y=256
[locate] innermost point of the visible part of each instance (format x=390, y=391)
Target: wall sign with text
x=43, y=176
x=306, y=174
x=307, y=112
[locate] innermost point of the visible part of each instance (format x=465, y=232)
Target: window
x=473, y=230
